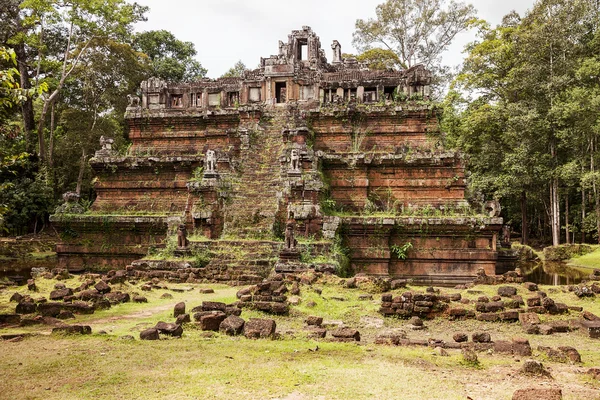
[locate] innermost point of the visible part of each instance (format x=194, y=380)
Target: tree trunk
x=554, y=212
x=567, y=239
x=81, y=171
x=582, y=215
x=524, y=224
x=27, y=106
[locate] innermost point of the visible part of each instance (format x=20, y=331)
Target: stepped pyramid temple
x=299, y=164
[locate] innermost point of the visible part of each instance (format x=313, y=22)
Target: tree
x=417, y=31
x=236, y=71
x=83, y=23
x=377, y=58
x=170, y=58
x=527, y=124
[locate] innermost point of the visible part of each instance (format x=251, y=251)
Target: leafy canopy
x=170, y=58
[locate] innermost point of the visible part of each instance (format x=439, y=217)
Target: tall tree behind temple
x=521, y=142
x=417, y=31
x=236, y=71
x=170, y=58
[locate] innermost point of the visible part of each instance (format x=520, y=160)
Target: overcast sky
x=225, y=31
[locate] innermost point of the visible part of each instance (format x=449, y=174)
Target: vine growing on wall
x=401, y=252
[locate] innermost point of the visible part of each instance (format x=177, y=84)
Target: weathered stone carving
x=337, y=52
x=70, y=205
x=492, y=208
x=295, y=160
x=133, y=101
x=106, y=147
x=506, y=236
x=182, y=240
x=106, y=143
x=210, y=163
x=290, y=240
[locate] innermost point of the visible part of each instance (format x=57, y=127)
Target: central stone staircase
x=257, y=189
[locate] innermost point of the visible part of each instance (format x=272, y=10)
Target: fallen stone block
x=533, y=367
x=169, y=329
x=25, y=307
x=346, y=334
x=256, y=328
x=102, y=287
x=232, y=325
x=537, y=394
x=9, y=319
x=481, y=337
x=314, y=320
x=460, y=337
x=507, y=291
x=73, y=329
x=60, y=294
x=179, y=309
x=149, y=334
x=592, y=328
x=212, y=321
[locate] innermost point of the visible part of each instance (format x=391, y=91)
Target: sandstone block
x=149, y=334
x=256, y=328
x=232, y=325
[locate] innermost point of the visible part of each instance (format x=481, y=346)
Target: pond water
x=553, y=273
x=22, y=267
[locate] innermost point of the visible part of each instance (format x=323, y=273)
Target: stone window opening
x=302, y=49
x=350, y=94
x=370, y=95
x=233, y=99
x=177, y=100
x=281, y=92
x=388, y=92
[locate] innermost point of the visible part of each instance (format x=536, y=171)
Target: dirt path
x=136, y=315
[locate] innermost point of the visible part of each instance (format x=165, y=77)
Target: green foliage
x=417, y=31
x=381, y=59
x=566, y=251
x=401, y=252
x=170, y=58
x=522, y=110
x=25, y=198
x=236, y=71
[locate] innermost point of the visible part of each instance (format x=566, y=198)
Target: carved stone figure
x=492, y=208
x=290, y=226
x=70, y=205
x=210, y=164
x=133, y=101
x=506, y=236
x=182, y=241
x=106, y=143
x=337, y=52
x=105, y=147
x=295, y=160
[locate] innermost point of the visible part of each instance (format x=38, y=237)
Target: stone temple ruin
x=335, y=160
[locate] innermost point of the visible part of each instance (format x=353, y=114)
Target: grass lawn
x=207, y=365
x=590, y=260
